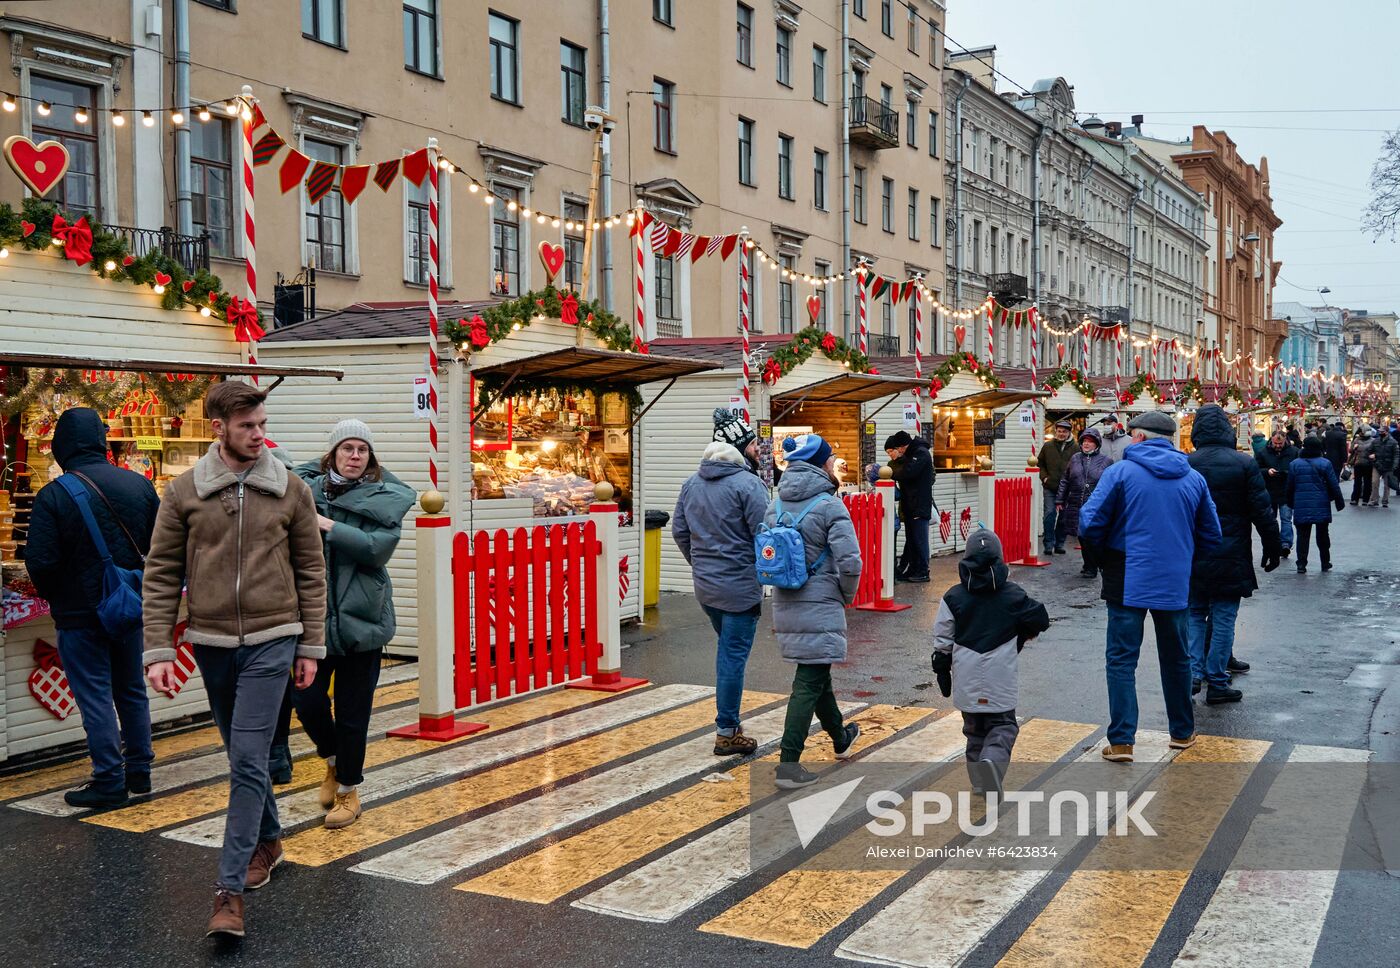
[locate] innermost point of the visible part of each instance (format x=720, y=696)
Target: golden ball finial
x=603, y=492
x=885, y=473
x=432, y=502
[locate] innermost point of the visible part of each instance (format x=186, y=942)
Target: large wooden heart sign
x=40, y=166
x=960, y=333
x=814, y=307
x=553, y=258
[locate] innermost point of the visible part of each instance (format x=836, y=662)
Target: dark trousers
x=811, y=694
x=1091, y=555
x=990, y=736
x=1054, y=524
x=1324, y=543
x=1361, y=484
x=109, y=686
x=245, y=686
x=913, y=561
x=283, y=732
x=341, y=733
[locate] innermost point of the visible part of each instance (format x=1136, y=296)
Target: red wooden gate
x=867, y=514
x=1012, y=517
x=525, y=609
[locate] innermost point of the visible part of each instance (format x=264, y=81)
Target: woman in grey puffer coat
x=810, y=622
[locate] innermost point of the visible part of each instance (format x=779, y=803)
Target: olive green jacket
x=368, y=521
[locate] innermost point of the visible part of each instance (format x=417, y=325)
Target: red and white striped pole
x=1035, y=383
x=639, y=321
x=433, y=314
x=1084, y=346
x=919, y=347
x=1118, y=365
x=250, y=260
x=991, y=332
x=863, y=340
x=745, y=287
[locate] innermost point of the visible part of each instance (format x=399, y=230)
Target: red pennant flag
x=1005, y=314
x=702, y=245
x=258, y=119
x=385, y=174
x=293, y=168
x=353, y=181
x=728, y=246
x=321, y=181
x=415, y=166
x=266, y=148
x=673, y=242
x=878, y=286
x=909, y=290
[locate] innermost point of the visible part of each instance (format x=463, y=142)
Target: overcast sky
x=1313, y=87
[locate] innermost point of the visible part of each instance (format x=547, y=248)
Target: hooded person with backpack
x=808, y=552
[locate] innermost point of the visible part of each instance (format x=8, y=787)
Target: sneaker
x=916, y=579
x=849, y=732
x=1182, y=744
x=138, y=783
x=1061, y=551
x=228, y=915
x=89, y=796
x=1302, y=567
x=985, y=778
x=1195, y=686
x=1235, y=665
x=736, y=745
x=1118, y=752
x=346, y=810
x=266, y=856
x=329, y=784
x=1088, y=573
x=1327, y=566
x=793, y=776
x=1218, y=697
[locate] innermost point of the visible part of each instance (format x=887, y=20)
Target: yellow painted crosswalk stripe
x=203, y=740
x=1111, y=910
x=550, y=873
x=398, y=818
x=190, y=804
x=803, y=905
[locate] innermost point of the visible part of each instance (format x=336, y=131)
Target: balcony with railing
x=670, y=328
x=873, y=124
x=190, y=251
x=884, y=346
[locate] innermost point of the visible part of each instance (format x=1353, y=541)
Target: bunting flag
x=352, y=181
x=726, y=246
x=259, y=119
x=293, y=169
x=415, y=167
x=386, y=173
x=666, y=241
x=878, y=286
x=266, y=148
x=700, y=248
x=321, y=181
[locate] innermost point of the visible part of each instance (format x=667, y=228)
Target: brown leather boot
x=267, y=856
x=328, y=788
x=736, y=744
x=346, y=810
x=228, y=915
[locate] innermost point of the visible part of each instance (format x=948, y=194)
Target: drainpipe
x=605, y=172
x=1036, y=269
x=1132, y=248
x=184, y=207
x=846, y=294
x=958, y=194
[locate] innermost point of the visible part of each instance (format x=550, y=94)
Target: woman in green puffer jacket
x=361, y=508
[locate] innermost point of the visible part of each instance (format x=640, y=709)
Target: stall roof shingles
x=373, y=320
x=724, y=350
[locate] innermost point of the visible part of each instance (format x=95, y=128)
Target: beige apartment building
x=816, y=126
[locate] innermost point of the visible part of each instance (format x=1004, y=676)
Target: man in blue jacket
x=718, y=512
x=1148, y=516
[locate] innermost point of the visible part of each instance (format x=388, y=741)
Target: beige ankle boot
x=346, y=810
x=328, y=788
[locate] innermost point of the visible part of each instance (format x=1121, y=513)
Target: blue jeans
x=1121, y=659
x=736, y=631
x=1054, y=534
x=245, y=686
x=1284, y=513
x=1212, y=625
x=109, y=685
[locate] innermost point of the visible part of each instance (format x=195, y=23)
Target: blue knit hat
x=808, y=448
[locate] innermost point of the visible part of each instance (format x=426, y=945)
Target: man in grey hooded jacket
x=717, y=515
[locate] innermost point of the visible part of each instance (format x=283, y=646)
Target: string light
x=109, y=266
x=147, y=118
x=204, y=113
x=231, y=108
x=204, y=311
x=118, y=119
x=177, y=116
x=44, y=109
x=10, y=104
x=80, y=115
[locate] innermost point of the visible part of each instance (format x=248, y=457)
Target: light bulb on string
x=109, y=266
x=231, y=108
x=204, y=112
x=525, y=212
x=80, y=115
x=489, y=200
x=555, y=223
x=10, y=103
x=177, y=116
x=473, y=188
x=118, y=119
x=204, y=311
x=541, y=218
x=147, y=118
x=44, y=109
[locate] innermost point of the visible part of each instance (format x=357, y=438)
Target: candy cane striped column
x=1084, y=346
x=919, y=348
x=1035, y=384
x=433, y=314
x=1118, y=365
x=864, y=331
x=991, y=332
x=249, y=233
x=745, y=285
x=639, y=322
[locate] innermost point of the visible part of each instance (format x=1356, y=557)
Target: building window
x=573, y=81
x=321, y=20
x=914, y=214
x=419, y=232
x=743, y=50
x=785, y=301
x=661, y=12
x=935, y=230
x=911, y=123
x=665, y=287
x=325, y=221
x=887, y=97
x=887, y=17
x=858, y=8
x=746, y=151
x=976, y=246
x=823, y=269
x=887, y=319
x=785, y=166
x=80, y=190
x=934, y=44
x=663, y=96
x=818, y=74
x=858, y=194
x=211, y=183
x=819, y=179
x=887, y=204
x=505, y=242
x=912, y=31
x=575, y=218
x=933, y=134
x=857, y=83
x=420, y=36
x=505, y=59
x=784, y=57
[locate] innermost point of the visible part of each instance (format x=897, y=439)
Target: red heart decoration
x=960, y=333
x=187, y=285
x=27, y=228
x=129, y=261
x=40, y=166
x=162, y=279
x=1061, y=351
x=814, y=307
x=553, y=258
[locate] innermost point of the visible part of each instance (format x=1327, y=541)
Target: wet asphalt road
x=1325, y=651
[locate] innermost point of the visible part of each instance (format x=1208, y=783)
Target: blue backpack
x=119, y=611
x=780, y=554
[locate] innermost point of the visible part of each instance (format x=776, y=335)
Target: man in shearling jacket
x=239, y=533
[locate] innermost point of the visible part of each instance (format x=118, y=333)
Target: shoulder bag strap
x=115, y=516
x=79, y=495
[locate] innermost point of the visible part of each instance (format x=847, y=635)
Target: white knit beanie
x=351, y=429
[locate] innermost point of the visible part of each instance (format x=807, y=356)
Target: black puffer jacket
x=914, y=474
x=1241, y=500
x=59, y=555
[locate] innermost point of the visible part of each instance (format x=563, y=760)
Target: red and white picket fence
x=508, y=611
x=1013, y=507
x=872, y=513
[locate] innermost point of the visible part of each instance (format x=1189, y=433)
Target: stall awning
x=63, y=362
x=586, y=364
x=849, y=388
x=992, y=399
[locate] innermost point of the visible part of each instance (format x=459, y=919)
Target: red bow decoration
x=639, y=346
x=243, y=316
x=772, y=371
x=76, y=239
x=873, y=372
x=568, y=309
x=829, y=343
x=479, y=334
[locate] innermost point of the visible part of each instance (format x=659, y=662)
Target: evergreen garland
x=1071, y=375
x=963, y=362
x=804, y=344
x=503, y=319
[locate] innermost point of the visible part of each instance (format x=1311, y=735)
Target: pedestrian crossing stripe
x=648, y=836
